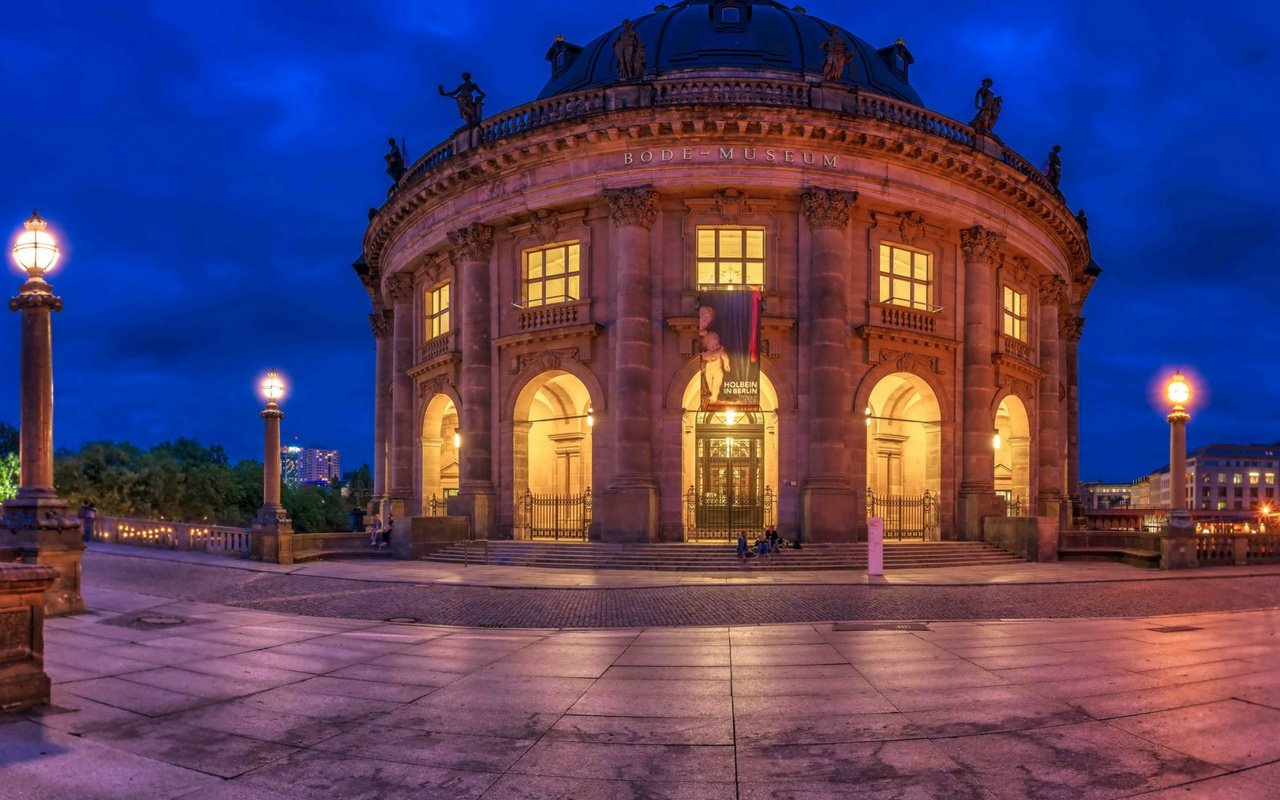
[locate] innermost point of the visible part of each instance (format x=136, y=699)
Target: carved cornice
x=827, y=208
x=980, y=245
x=399, y=288
x=632, y=207
x=1072, y=328
x=1053, y=290
x=381, y=323
x=472, y=243
x=731, y=204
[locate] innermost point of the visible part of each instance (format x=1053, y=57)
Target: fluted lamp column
x=1178, y=547
x=272, y=532
x=35, y=522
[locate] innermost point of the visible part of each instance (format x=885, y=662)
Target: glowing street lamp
x=1178, y=392
x=272, y=530
x=35, y=521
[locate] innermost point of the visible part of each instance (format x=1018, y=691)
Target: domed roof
x=733, y=35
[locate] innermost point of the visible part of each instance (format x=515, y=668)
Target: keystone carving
x=1053, y=290
x=1019, y=269
x=472, y=243
x=381, y=323
x=400, y=288
x=980, y=245
x=632, y=207
x=433, y=387
x=911, y=226
x=827, y=208
x=731, y=204
x=546, y=224
x=546, y=359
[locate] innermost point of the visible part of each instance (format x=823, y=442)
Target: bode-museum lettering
x=770, y=155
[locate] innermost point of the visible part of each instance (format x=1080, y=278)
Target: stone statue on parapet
x=470, y=99
x=988, y=106
x=1083, y=219
x=395, y=161
x=629, y=51
x=1054, y=170
x=838, y=55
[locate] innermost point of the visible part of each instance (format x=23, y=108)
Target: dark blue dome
x=735, y=36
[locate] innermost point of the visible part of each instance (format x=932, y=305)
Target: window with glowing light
x=1237, y=479
x=730, y=256
x=906, y=277
x=438, y=302
x=552, y=274
x=1015, y=314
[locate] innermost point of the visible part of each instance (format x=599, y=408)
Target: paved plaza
x=156, y=697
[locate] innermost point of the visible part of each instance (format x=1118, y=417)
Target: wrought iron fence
x=435, y=507
x=1013, y=507
x=553, y=516
x=719, y=517
x=905, y=516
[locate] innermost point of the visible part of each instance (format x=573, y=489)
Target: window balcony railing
x=1017, y=349
x=889, y=315
x=553, y=316
x=435, y=348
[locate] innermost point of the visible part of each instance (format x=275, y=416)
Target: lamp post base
x=271, y=537
x=1178, y=542
x=38, y=531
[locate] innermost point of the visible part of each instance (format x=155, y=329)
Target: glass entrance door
x=730, y=495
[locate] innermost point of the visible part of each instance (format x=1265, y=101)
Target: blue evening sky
x=210, y=164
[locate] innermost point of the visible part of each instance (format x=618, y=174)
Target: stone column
x=1072, y=328
x=404, y=500
x=977, y=475
x=629, y=507
x=35, y=522
x=381, y=322
x=1049, y=422
x=271, y=537
x=827, y=499
x=476, y=497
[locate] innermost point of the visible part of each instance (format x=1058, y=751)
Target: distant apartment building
x=309, y=465
x=1220, y=477
x=1099, y=495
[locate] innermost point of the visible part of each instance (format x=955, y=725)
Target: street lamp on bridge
x=272, y=533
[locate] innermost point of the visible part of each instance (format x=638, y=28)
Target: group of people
x=767, y=541
x=379, y=534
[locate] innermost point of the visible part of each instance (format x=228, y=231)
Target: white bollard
x=875, y=546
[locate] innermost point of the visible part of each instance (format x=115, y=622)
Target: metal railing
x=553, y=516
x=905, y=516
x=721, y=517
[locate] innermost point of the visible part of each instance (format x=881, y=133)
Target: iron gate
x=905, y=516
x=721, y=517
x=553, y=516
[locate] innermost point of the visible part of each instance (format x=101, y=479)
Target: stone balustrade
x=437, y=347
x=1020, y=350
x=737, y=91
x=542, y=112
x=904, y=318
x=172, y=535
x=542, y=317
x=1237, y=549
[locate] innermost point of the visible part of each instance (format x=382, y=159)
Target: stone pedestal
x=481, y=507
x=975, y=504
x=271, y=537
x=23, y=589
x=1178, y=543
x=39, y=529
x=415, y=537
x=630, y=514
x=829, y=514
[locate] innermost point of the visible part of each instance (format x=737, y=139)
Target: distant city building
x=1098, y=495
x=1220, y=477
x=309, y=465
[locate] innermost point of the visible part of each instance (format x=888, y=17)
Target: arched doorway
x=1012, y=444
x=729, y=466
x=551, y=458
x=904, y=456
x=440, y=442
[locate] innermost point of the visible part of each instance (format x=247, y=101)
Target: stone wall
x=23, y=681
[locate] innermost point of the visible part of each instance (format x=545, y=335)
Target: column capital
x=827, y=208
x=400, y=288
x=980, y=244
x=1053, y=290
x=632, y=206
x=1072, y=328
x=381, y=323
x=472, y=243
x=31, y=300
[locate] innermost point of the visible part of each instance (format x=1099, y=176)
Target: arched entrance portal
x=1012, y=442
x=439, y=454
x=904, y=456
x=729, y=466
x=551, y=452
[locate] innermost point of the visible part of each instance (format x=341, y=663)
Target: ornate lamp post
x=272, y=532
x=1178, y=548
x=35, y=522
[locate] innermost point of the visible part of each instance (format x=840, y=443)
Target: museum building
x=545, y=284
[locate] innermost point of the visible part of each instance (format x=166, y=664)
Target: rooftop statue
x=629, y=51
x=1083, y=219
x=395, y=162
x=470, y=99
x=1054, y=171
x=988, y=105
x=838, y=56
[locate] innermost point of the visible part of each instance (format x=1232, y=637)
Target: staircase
x=717, y=557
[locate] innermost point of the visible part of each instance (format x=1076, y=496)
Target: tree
x=359, y=487
x=316, y=509
x=8, y=476
x=8, y=439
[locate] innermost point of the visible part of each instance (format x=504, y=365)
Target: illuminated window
x=906, y=278
x=1015, y=314
x=1271, y=477
x=1237, y=479
x=552, y=275
x=1253, y=477
x=731, y=256
x=1222, y=477
x=438, y=301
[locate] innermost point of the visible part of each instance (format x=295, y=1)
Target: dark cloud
x=210, y=165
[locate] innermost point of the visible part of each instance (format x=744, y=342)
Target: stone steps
x=718, y=557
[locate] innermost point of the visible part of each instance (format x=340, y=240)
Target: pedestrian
x=375, y=528
x=742, y=547
x=385, y=538
x=773, y=539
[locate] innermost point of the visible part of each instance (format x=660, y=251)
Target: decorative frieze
x=980, y=244
x=399, y=288
x=827, y=208
x=632, y=207
x=472, y=243
x=437, y=385
x=548, y=359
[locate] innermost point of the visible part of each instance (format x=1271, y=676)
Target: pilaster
x=977, y=499
x=477, y=498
